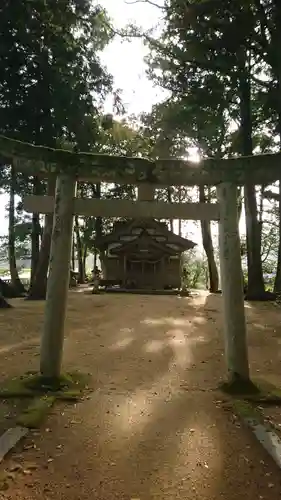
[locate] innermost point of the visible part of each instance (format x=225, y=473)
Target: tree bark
x=79, y=246
x=239, y=203
x=255, y=289
x=7, y=290
x=98, y=229
x=277, y=70
x=208, y=247
x=169, y=196
x=180, y=220
x=277, y=282
x=38, y=289
x=85, y=253
x=3, y=303
x=73, y=253
x=15, y=280
x=35, y=234
x=35, y=246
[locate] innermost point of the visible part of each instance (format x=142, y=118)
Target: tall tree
x=35, y=234
x=268, y=13
x=191, y=121
x=212, y=40
x=52, y=83
x=208, y=245
x=15, y=280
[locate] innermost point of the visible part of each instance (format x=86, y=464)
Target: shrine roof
x=125, y=228
x=145, y=242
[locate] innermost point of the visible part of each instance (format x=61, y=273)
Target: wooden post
x=146, y=192
x=58, y=280
x=128, y=208
x=124, y=270
x=232, y=285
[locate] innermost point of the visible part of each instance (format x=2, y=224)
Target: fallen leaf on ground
x=31, y=465
x=15, y=468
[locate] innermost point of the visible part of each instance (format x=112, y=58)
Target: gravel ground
x=154, y=426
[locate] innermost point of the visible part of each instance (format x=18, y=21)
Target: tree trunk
x=208, y=247
x=180, y=220
x=240, y=203
x=98, y=229
x=180, y=227
x=35, y=234
x=169, y=196
x=85, y=253
x=277, y=282
x=277, y=60
x=38, y=289
x=255, y=289
x=79, y=246
x=73, y=253
x=15, y=280
x=35, y=246
x=95, y=257
x=3, y=303
x=7, y=290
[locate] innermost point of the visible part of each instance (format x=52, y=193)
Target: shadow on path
x=154, y=427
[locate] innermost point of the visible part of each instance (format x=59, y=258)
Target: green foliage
x=4, y=271
x=52, y=81
x=22, y=230
x=123, y=138
x=35, y=414
x=68, y=387
x=201, y=58
x=196, y=267
x=219, y=61
x=52, y=85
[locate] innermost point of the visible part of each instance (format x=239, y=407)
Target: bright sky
x=125, y=59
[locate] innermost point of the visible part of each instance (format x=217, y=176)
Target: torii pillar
x=235, y=338
x=58, y=280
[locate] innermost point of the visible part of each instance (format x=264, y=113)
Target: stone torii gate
x=69, y=167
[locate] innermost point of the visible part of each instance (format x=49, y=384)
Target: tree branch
x=149, y=2
x=270, y=195
x=264, y=26
x=264, y=257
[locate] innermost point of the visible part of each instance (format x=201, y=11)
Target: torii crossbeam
x=93, y=167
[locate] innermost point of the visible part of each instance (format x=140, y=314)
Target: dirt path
x=154, y=427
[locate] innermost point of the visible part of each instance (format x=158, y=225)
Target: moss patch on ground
x=247, y=400
x=34, y=415
x=68, y=387
x=268, y=395
x=246, y=410
x=257, y=391
x=10, y=409
x=41, y=394
x=238, y=386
